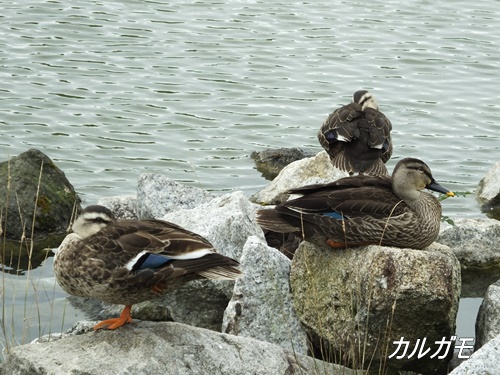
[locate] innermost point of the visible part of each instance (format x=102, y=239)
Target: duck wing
x=379, y=128
x=356, y=196
x=357, y=140
x=156, y=245
x=340, y=125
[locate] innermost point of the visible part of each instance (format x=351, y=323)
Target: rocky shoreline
x=258, y=324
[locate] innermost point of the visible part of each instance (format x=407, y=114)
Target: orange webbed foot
x=115, y=323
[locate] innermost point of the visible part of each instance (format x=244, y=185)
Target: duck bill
x=440, y=189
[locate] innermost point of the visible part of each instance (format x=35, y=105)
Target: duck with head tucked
x=362, y=210
x=130, y=261
x=357, y=136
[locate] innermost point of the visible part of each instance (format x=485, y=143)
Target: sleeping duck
x=363, y=210
x=357, y=136
x=130, y=261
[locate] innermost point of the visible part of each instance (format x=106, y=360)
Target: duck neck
x=426, y=205
x=419, y=201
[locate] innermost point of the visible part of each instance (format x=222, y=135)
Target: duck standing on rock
x=364, y=210
x=357, y=136
x=130, y=261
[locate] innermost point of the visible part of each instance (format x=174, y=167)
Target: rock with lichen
x=356, y=303
x=36, y=198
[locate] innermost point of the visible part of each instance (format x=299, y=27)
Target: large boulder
x=314, y=170
x=122, y=206
x=157, y=195
x=271, y=161
x=261, y=306
x=358, y=302
x=483, y=361
x=148, y=348
x=226, y=221
x=488, y=190
x=200, y=303
x=36, y=198
x=488, y=317
x=476, y=244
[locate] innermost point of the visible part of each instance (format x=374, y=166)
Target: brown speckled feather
x=106, y=265
x=364, y=210
x=352, y=137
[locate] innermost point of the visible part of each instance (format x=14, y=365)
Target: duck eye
x=100, y=220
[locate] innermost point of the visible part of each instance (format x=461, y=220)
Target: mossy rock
x=270, y=161
x=36, y=198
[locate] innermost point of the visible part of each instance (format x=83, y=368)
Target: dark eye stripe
x=100, y=220
x=364, y=101
x=421, y=169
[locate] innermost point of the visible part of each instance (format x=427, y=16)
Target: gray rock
x=314, y=170
x=271, y=161
x=199, y=303
x=488, y=191
x=226, y=221
x=476, y=244
x=159, y=348
x=488, y=317
x=32, y=184
x=261, y=306
x=123, y=206
x=484, y=361
x=158, y=194
x=155, y=310
x=361, y=300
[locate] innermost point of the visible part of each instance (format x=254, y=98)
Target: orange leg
x=114, y=323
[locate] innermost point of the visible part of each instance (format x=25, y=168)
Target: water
x=110, y=90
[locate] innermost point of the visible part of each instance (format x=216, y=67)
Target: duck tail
x=343, y=162
x=270, y=219
x=378, y=168
x=224, y=268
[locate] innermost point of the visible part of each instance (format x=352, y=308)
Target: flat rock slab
x=159, y=348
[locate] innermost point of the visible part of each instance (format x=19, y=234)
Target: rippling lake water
x=110, y=90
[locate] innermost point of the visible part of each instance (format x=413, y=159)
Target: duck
x=364, y=210
x=126, y=262
x=357, y=136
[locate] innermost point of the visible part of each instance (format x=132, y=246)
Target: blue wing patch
x=334, y=215
x=331, y=136
x=153, y=261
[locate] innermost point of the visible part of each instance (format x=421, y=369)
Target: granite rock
x=375, y=295
x=261, y=306
x=314, y=170
x=157, y=195
x=148, y=348
x=488, y=191
x=488, y=317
